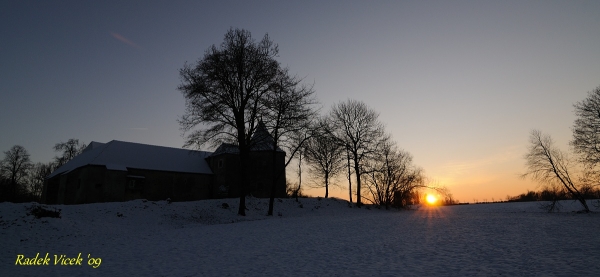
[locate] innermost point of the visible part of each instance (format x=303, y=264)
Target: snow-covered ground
x=315, y=237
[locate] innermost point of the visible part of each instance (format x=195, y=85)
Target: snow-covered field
x=315, y=237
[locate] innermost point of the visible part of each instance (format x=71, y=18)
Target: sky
x=458, y=84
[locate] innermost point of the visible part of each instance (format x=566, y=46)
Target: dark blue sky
x=459, y=84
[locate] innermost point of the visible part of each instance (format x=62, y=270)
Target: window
x=135, y=182
x=220, y=163
x=131, y=184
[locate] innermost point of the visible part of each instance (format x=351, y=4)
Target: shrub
x=41, y=211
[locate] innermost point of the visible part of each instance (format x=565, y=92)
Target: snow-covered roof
x=120, y=155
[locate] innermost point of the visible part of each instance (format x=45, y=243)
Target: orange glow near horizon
x=467, y=190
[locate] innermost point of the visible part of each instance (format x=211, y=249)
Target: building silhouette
x=123, y=171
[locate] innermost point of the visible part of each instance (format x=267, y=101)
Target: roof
x=262, y=139
x=120, y=155
x=226, y=148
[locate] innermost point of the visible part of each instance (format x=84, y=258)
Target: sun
x=431, y=199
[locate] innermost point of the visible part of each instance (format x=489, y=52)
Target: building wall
x=91, y=184
x=260, y=174
x=159, y=185
x=50, y=191
x=225, y=168
x=88, y=184
x=264, y=173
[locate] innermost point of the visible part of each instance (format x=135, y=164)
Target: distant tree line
x=554, y=194
x=21, y=180
x=562, y=176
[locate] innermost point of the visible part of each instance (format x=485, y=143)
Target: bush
x=40, y=211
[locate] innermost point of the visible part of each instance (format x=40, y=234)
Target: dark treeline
x=588, y=192
x=22, y=180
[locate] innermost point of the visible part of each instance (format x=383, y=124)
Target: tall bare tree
x=288, y=116
x=15, y=167
x=225, y=93
x=324, y=155
x=586, y=130
x=68, y=150
x=549, y=165
x=359, y=130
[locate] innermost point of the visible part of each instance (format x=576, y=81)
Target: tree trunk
x=299, y=175
x=357, y=173
x=577, y=195
x=326, y=184
x=274, y=181
x=244, y=155
x=349, y=176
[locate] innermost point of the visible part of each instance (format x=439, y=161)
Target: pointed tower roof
x=261, y=141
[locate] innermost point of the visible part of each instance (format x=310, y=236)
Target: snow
x=313, y=237
x=120, y=155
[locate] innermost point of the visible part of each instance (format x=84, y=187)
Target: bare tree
x=36, y=177
x=392, y=179
x=300, y=138
x=324, y=155
x=288, y=116
x=548, y=165
x=358, y=129
x=68, y=151
x=225, y=94
x=586, y=132
x=383, y=173
x=14, y=167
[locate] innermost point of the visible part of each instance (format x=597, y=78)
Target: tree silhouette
x=225, y=93
x=288, y=116
x=547, y=164
x=324, y=155
x=36, y=177
x=68, y=151
x=586, y=131
x=14, y=167
x=359, y=131
x=392, y=179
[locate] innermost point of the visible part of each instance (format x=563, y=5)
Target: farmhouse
x=122, y=171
